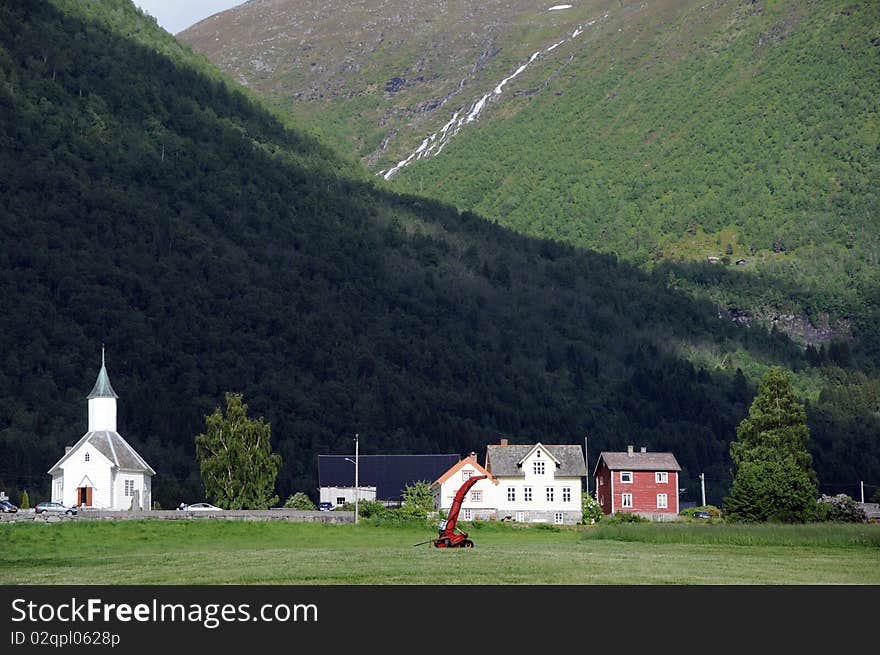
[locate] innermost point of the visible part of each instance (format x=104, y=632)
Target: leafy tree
x=299, y=500
x=774, y=477
x=25, y=500
x=592, y=510
x=237, y=464
x=417, y=500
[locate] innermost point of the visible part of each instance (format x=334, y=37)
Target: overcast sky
x=176, y=15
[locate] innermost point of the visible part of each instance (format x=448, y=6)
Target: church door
x=84, y=496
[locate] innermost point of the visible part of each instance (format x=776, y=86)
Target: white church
x=102, y=470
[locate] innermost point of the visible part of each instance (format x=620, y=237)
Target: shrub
x=25, y=501
x=714, y=512
x=368, y=509
x=591, y=510
x=299, y=500
x=841, y=509
x=626, y=517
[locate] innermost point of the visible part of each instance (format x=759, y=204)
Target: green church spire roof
x=102, y=388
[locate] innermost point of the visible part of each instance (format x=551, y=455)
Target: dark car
x=50, y=506
x=325, y=507
x=702, y=514
x=7, y=508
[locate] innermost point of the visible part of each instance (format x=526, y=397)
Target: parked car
x=7, y=508
x=702, y=514
x=203, y=507
x=50, y=506
x=325, y=507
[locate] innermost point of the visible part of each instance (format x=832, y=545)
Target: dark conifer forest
x=150, y=206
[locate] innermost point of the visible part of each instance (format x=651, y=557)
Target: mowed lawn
x=209, y=552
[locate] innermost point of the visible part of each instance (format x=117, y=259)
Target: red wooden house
x=641, y=482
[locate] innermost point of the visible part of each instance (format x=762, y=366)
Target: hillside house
x=102, y=470
x=380, y=477
x=479, y=503
x=537, y=483
x=640, y=482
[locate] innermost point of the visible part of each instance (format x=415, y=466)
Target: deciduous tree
x=236, y=460
x=417, y=500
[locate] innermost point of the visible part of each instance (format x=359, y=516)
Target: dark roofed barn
x=390, y=474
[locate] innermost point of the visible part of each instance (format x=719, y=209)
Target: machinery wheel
x=467, y=543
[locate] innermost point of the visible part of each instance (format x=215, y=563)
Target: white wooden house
x=102, y=470
x=480, y=501
x=537, y=483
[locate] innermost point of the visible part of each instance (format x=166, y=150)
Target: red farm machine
x=449, y=536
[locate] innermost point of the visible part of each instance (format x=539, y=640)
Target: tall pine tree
x=774, y=478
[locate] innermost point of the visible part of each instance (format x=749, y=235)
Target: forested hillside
x=150, y=206
x=666, y=132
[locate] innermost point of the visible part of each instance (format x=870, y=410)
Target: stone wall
x=177, y=515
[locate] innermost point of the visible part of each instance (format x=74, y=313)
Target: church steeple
x=102, y=388
x=102, y=402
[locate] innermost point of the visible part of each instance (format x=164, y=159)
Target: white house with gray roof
x=102, y=470
x=537, y=483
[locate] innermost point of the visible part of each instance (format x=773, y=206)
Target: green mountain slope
x=149, y=205
x=666, y=132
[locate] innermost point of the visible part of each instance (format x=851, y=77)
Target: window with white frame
x=129, y=487
x=661, y=477
x=662, y=502
x=511, y=494
x=626, y=477
x=87, y=457
x=476, y=496
x=566, y=494
x=558, y=518
x=520, y=517
x=549, y=494
x=538, y=468
x=466, y=474
x=467, y=515
x=527, y=494
x=627, y=500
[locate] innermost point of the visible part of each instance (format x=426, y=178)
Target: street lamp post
x=356, y=477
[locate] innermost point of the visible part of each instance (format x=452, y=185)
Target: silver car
x=51, y=506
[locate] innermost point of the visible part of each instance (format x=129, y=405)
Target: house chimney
x=504, y=442
x=644, y=449
x=473, y=456
x=629, y=451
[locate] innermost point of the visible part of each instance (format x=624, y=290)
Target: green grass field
x=265, y=553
